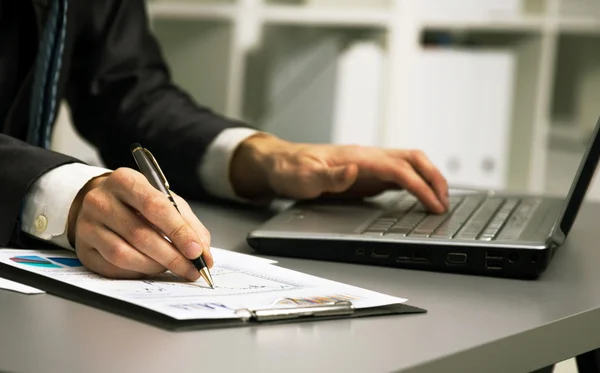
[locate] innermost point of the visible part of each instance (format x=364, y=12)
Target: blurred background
x=498, y=93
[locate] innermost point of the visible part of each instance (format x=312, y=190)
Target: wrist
x=252, y=163
x=76, y=206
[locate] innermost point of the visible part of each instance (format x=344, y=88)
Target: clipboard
x=275, y=314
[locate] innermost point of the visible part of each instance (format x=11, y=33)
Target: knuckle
x=152, y=204
x=180, y=232
x=116, y=254
x=418, y=154
x=122, y=177
x=404, y=168
x=97, y=201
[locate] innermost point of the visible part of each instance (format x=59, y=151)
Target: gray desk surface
x=474, y=324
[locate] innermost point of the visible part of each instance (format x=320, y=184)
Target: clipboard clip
x=338, y=308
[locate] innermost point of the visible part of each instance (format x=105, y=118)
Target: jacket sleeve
x=120, y=92
x=20, y=165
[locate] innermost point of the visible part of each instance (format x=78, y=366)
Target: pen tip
x=135, y=145
x=207, y=277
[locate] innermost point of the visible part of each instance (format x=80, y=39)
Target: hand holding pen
x=117, y=223
x=152, y=171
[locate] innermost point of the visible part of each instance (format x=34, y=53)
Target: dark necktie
x=47, y=69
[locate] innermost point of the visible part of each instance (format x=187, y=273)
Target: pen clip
x=338, y=308
x=153, y=160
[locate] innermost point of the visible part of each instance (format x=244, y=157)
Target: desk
x=474, y=324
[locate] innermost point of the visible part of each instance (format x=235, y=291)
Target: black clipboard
x=266, y=316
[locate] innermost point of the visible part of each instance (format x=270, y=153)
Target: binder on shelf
x=191, y=308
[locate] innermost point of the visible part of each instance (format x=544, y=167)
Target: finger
x=431, y=174
x=148, y=242
x=200, y=229
x=407, y=177
x=117, y=251
x=134, y=190
x=93, y=261
x=202, y=232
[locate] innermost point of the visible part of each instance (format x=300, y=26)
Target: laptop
x=484, y=232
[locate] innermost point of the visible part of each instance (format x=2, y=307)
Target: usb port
x=494, y=255
x=360, y=251
x=494, y=265
x=456, y=258
x=381, y=253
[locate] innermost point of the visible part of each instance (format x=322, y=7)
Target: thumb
x=339, y=179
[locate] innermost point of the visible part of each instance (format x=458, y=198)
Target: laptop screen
x=581, y=182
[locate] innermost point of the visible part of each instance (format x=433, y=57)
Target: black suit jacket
x=118, y=87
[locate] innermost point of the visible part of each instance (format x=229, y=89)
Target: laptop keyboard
x=468, y=218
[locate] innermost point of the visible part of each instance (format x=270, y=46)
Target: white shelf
x=517, y=24
x=192, y=11
x=375, y=17
x=313, y=16
x=567, y=135
x=581, y=24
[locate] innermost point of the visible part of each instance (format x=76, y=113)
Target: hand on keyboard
x=307, y=171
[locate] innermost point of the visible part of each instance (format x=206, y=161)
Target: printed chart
x=46, y=262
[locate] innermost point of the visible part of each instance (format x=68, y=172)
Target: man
x=100, y=56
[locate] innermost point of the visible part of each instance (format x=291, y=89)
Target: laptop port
x=456, y=258
x=404, y=254
x=360, y=251
x=421, y=255
x=494, y=255
x=494, y=265
x=513, y=257
x=381, y=253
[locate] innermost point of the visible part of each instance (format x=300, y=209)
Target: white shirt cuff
x=215, y=167
x=47, y=203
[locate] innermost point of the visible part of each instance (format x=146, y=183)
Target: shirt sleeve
x=48, y=200
x=215, y=166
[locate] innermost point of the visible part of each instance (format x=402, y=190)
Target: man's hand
x=117, y=224
x=265, y=166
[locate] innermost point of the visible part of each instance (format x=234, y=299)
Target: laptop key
x=398, y=231
x=373, y=233
x=479, y=219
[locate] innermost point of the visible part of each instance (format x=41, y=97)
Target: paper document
x=239, y=285
x=222, y=255
x=219, y=255
x=19, y=288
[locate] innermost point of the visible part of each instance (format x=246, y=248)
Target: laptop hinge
x=557, y=238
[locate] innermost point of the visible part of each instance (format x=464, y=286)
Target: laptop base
x=477, y=260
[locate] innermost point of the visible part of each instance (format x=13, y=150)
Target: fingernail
x=193, y=250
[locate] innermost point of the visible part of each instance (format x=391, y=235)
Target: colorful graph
x=69, y=262
x=35, y=261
